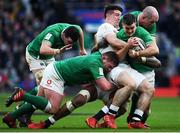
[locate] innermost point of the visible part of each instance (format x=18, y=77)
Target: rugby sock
x=137, y=115
x=41, y=104
x=33, y=91
x=101, y=113
x=113, y=110
x=134, y=100
x=144, y=117
x=25, y=108
x=48, y=123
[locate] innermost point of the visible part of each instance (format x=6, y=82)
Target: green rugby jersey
x=151, y=30
x=53, y=34
x=146, y=37
x=80, y=69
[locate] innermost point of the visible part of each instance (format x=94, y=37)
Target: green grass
x=165, y=117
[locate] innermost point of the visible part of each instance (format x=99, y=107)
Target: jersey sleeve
x=49, y=37
x=96, y=71
x=145, y=36
x=152, y=30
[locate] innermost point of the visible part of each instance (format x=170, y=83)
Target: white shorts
x=35, y=64
x=51, y=80
x=137, y=77
x=150, y=76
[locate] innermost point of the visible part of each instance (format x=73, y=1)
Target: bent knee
x=79, y=100
x=51, y=109
x=146, y=87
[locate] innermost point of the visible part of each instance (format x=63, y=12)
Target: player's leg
x=121, y=95
x=86, y=95
x=106, y=97
x=25, y=119
x=150, y=76
x=147, y=91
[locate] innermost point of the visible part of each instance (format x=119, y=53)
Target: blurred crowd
x=22, y=20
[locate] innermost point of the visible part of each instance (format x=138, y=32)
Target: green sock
x=38, y=101
x=33, y=91
x=25, y=108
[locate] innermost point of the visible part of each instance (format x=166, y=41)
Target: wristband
x=143, y=59
x=56, y=51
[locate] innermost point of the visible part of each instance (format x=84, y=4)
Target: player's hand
x=61, y=50
x=82, y=52
x=133, y=54
x=132, y=41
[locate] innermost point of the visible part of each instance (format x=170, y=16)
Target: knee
x=147, y=88
x=132, y=85
x=80, y=99
x=51, y=108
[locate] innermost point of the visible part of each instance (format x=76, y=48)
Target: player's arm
x=152, y=62
x=123, y=51
x=149, y=51
x=46, y=49
x=114, y=41
x=82, y=50
x=96, y=46
x=103, y=83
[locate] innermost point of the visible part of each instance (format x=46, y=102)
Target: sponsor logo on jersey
x=49, y=81
x=101, y=71
x=48, y=36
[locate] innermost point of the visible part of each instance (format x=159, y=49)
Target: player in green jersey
x=57, y=74
x=146, y=19
x=53, y=40
x=131, y=30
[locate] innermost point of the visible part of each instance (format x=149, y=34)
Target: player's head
x=110, y=60
x=70, y=35
x=129, y=24
x=112, y=14
x=149, y=16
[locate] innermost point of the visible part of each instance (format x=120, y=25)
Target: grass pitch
x=165, y=117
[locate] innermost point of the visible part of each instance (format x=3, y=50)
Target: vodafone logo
x=49, y=81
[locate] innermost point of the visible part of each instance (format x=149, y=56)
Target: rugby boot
x=91, y=122
x=40, y=125
x=137, y=124
x=9, y=121
x=110, y=121
x=16, y=96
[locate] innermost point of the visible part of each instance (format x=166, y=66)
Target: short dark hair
x=72, y=32
x=111, y=7
x=129, y=19
x=112, y=56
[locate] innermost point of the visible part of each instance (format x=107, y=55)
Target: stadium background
x=22, y=20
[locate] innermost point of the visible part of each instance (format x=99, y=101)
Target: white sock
x=105, y=109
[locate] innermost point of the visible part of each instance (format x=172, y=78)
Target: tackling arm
x=103, y=84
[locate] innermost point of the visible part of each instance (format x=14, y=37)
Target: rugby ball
x=141, y=45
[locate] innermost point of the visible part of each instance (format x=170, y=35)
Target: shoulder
x=142, y=30
x=106, y=25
